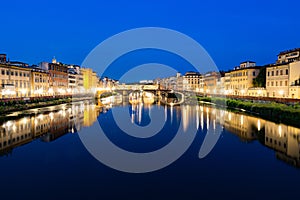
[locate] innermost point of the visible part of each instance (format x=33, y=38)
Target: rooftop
x=240, y=69
x=288, y=51
x=248, y=61
x=190, y=73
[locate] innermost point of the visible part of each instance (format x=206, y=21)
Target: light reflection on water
x=284, y=140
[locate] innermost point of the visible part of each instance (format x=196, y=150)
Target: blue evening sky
x=231, y=31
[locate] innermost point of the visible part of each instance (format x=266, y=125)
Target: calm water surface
x=42, y=156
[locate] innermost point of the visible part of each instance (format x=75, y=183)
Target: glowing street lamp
x=50, y=91
x=243, y=92
x=281, y=92
x=259, y=92
x=23, y=92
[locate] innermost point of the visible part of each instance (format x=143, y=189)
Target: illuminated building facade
x=192, y=81
x=58, y=78
x=282, y=80
x=39, y=82
x=90, y=79
x=211, y=80
x=15, y=81
x=241, y=78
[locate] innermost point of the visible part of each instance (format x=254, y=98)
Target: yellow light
x=50, y=91
x=23, y=91
x=14, y=128
x=281, y=92
x=51, y=115
x=24, y=120
x=259, y=91
x=280, y=130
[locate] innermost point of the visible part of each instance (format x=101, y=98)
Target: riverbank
x=276, y=112
x=21, y=105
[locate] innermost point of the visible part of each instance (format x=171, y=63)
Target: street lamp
x=281, y=93
x=50, y=91
x=259, y=92
x=23, y=92
x=243, y=92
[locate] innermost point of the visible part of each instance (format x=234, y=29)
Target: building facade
x=3, y=58
x=240, y=80
x=247, y=64
x=282, y=80
x=15, y=81
x=90, y=79
x=192, y=81
x=211, y=82
x=39, y=80
x=58, y=78
x=288, y=56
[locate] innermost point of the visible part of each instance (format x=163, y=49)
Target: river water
x=43, y=157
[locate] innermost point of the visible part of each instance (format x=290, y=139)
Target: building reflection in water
x=283, y=139
x=47, y=126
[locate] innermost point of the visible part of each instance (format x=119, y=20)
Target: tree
x=260, y=80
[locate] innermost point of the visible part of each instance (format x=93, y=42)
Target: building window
x=272, y=73
x=281, y=72
x=272, y=84
x=286, y=83
x=2, y=72
x=277, y=73
x=280, y=83
x=276, y=83
x=7, y=73
x=268, y=73
x=253, y=73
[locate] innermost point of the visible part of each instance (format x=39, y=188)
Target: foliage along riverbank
x=280, y=113
x=20, y=105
